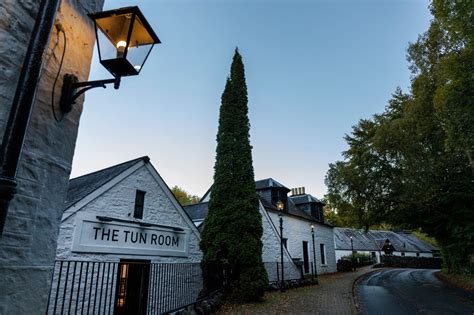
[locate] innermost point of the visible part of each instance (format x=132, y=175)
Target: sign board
x=93, y=236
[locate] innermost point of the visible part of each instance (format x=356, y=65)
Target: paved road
x=411, y=291
x=333, y=296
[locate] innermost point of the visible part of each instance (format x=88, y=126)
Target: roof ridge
x=144, y=158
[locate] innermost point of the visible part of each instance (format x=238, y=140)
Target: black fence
x=84, y=287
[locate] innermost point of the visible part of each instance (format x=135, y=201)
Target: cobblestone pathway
x=332, y=296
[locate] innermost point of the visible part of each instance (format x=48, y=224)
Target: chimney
x=297, y=191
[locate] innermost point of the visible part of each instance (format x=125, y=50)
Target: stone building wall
x=118, y=202
x=178, y=278
x=28, y=245
x=271, y=252
x=297, y=230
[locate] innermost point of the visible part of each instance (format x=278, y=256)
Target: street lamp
x=281, y=206
x=352, y=247
x=315, y=271
x=124, y=41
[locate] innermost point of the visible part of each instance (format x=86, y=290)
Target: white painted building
x=378, y=243
x=301, y=211
x=123, y=234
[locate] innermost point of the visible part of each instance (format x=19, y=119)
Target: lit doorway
x=132, y=287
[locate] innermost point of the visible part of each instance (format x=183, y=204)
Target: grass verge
x=465, y=282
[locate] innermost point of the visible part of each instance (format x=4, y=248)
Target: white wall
x=118, y=202
x=28, y=243
x=159, y=208
x=271, y=251
x=297, y=230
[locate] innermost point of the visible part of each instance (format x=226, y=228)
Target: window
x=322, y=248
x=285, y=242
x=305, y=257
x=417, y=254
x=279, y=195
x=314, y=211
x=403, y=254
x=139, y=204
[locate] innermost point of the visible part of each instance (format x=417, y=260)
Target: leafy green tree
x=233, y=228
x=411, y=166
x=183, y=197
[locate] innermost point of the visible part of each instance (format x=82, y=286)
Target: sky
x=313, y=69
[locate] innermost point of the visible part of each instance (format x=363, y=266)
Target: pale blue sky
x=313, y=69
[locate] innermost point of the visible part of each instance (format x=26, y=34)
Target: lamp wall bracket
x=72, y=89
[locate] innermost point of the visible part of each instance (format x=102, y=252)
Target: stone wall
x=178, y=278
x=297, y=230
x=28, y=245
x=271, y=251
x=118, y=202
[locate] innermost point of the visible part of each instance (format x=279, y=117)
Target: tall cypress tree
x=233, y=228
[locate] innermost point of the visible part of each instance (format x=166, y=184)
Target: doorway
x=132, y=287
x=305, y=257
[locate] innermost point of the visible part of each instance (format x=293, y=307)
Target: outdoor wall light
x=124, y=41
x=280, y=205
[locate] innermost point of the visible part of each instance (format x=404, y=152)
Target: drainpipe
x=18, y=120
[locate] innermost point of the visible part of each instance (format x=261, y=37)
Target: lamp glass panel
x=115, y=28
x=140, y=44
x=136, y=56
x=107, y=49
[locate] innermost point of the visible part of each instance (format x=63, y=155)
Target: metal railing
x=85, y=287
x=290, y=271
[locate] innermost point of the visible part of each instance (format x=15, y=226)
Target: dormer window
x=139, y=204
x=279, y=195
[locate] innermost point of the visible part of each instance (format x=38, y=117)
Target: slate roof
x=197, y=211
x=306, y=198
x=269, y=183
x=373, y=240
x=82, y=186
x=292, y=210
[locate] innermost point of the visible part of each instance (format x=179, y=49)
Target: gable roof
x=85, y=188
x=373, y=240
x=82, y=186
